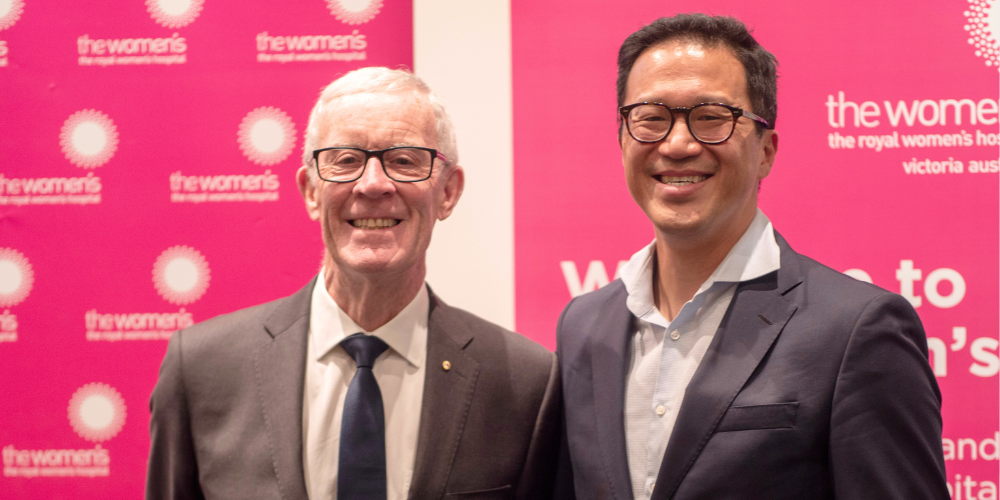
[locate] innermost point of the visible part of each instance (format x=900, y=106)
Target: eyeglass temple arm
x=757, y=118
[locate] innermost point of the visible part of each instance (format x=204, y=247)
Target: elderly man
x=364, y=384
x=723, y=364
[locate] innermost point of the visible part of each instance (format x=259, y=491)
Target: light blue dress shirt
x=666, y=354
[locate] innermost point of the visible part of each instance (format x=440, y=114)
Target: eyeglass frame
x=624, y=111
x=377, y=153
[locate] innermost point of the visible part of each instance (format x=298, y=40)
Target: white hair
x=375, y=80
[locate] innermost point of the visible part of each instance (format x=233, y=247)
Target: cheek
x=329, y=207
x=631, y=166
x=438, y=200
x=432, y=201
x=637, y=180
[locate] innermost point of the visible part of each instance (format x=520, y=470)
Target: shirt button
x=675, y=335
x=660, y=410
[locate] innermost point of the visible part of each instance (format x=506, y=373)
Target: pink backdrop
x=881, y=210
x=147, y=152
x=147, y=181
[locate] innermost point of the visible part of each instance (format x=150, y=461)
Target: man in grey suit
x=723, y=364
x=364, y=384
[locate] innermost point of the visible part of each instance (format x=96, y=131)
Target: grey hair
x=376, y=80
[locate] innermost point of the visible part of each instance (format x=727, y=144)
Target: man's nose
x=373, y=182
x=679, y=143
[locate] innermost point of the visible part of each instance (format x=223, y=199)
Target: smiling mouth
x=374, y=223
x=681, y=180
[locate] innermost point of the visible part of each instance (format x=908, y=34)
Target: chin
x=671, y=221
x=674, y=229
x=367, y=260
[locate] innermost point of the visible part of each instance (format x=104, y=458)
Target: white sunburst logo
x=984, y=29
x=181, y=275
x=16, y=277
x=88, y=138
x=266, y=135
x=174, y=13
x=354, y=11
x=10, y=12
x=97, y=412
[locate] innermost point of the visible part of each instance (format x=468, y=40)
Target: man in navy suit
x=723, y=364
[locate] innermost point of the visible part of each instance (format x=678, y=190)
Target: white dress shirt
x=665, y=354
x=329, y=370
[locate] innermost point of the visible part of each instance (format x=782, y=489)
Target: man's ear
x=309, y=192
x=454, y=184
x=769, y=146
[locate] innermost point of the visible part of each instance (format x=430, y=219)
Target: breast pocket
x=770, y=416
x=501, y=493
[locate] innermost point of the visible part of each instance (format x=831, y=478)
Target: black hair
x=759, y=64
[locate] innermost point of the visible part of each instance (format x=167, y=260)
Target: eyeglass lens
x=401, y=164
x=707, y=123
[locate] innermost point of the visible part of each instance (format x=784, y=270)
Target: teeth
x=681, y=181
x=373, y=223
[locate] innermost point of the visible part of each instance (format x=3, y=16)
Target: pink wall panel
x=147, y=160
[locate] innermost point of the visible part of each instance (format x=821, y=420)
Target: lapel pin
x=446, y=365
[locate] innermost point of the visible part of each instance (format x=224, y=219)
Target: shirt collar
x=754, y=255
x=406, y=333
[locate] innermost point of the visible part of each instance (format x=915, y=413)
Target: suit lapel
x=610, y=357
x=446, y=401
x=756, y=315
x=280, y=376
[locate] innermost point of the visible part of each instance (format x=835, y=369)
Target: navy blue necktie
x=361, y=469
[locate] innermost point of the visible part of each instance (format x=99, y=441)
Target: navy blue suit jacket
x=815, y=386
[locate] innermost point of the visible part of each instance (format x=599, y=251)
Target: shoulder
x=226, y=324
x=492, y=339
x=588, y=307
x=580, y=318
x=213, y=360
x=831, y=300
x=491, y=343
x=236, y=333
x=821, y=283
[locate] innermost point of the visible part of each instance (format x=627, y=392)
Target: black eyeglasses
x=401, y=164
x=709, y=123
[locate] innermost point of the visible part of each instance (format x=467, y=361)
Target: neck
x=372, y=301
x=684, y=263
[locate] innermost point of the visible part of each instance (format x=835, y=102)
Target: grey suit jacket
x=815, y=386
x=227, y=409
